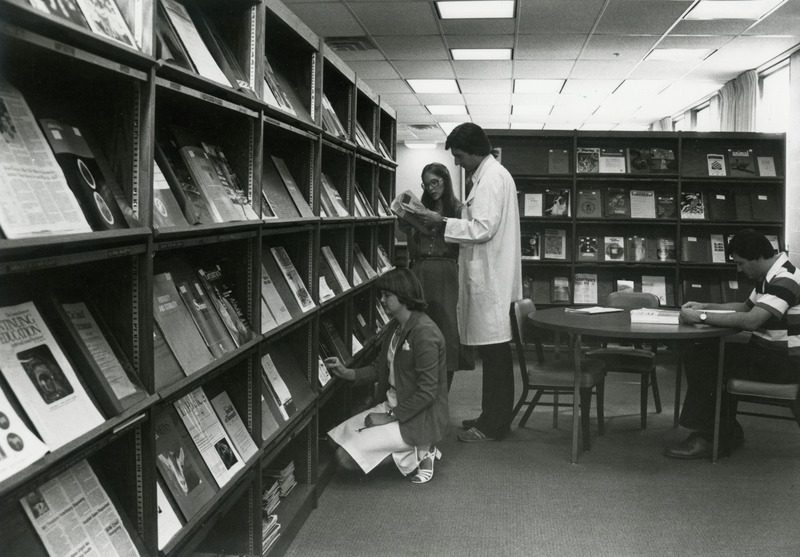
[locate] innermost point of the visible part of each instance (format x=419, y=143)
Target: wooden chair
x=633, y=359
x=770, y=394
x=554, y=378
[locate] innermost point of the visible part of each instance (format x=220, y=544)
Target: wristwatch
x=390, y=412
x=703, y=316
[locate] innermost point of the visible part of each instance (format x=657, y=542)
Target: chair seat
x=624, y=359
x=561, y=374
x=743, y=387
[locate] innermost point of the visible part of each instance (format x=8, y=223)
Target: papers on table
x=592, y=310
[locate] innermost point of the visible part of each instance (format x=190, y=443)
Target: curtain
x=663, y=125
x=737, y=103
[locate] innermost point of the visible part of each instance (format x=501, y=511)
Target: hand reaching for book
x=336, y=368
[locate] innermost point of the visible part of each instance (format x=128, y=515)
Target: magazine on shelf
x=656, y=285
x=66, y=9
x=291, y=186
x=191, y=200
x=73, y=515
x=167, y=520
x=167, y=370
x=721, y=205
x=19, y=447
x=234, y=426
x=42, y=378
x=274, y=94
x=585, y=288
x=588, y=249
x=588, y=160
x=272, y=299
x=335, y=203
x=643, y=204
x=105, y=19
x=278, y=387
x=618, y=202
x=35, y=199
x=559, y=290
x=273, y=280
x=293, y=278
x=209, y=436
x=766, y=167
x=531, y=204
x=556, y=203
x=228, y=307
x=716, y=165
x=231, y=184
x=692, y=206
x=636, y=249
x=218, y=195
x=166, y=210
x=589, y=204
x=742, y=163
x=338, y=273
x=274, y=193
x=555, y=244
x=612, y=161
x=557, y=161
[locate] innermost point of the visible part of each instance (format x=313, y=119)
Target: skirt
x=369, y=447
x=439, y=280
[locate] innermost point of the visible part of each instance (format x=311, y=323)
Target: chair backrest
x=632, y=300
x=519, y=312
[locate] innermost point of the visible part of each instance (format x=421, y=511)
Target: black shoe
x=694, y=447
x=469, y=424
x=735, y=437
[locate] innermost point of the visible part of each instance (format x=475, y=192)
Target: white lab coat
x=490, y=269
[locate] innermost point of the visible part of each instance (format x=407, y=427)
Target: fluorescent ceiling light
x=446, y=108
x=476, y=9
x=732, y=9
x=678, y=54
x=434, y=85
x=420, y=145
x=481, y=53
x=447, y=127
x=538, y=85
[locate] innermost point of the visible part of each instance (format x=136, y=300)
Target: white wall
x=410, y=163
x=793, y=162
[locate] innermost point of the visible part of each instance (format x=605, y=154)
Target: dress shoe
x=694, y=447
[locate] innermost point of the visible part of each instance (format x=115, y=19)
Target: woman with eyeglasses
x=412, y=381
x=436, y=264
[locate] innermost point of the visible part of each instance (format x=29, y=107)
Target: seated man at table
x=772, y=313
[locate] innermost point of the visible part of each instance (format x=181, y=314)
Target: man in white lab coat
x=490, y=274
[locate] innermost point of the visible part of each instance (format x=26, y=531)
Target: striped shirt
x=779, y=294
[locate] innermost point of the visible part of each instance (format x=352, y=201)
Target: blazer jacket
x=420, y=373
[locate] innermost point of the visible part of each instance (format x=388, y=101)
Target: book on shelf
x=612, y=161
x=202, y=310
x=695, y=249
x=555, y=244
x=636, y=250
x=234, y=426
x=624, y=285
x=269, y=413
x=199, y=55
x=696, y=290
x=227, y=176
x=588, y=204
x=368, y=210
x=275, y=291
x=730, y=291
x=209, y=436
x=587, y=160
x=167, y=518
x=177, y=325
x=274, y=194
x=103, y=364
x=530, y=204
x=362, y=262
x=557, y=161
x=273, y=90
x=742, y=163
x=360, y=207
x=643, y=204
x=530, y=245
x=67, y=9
x=333, y=263
x=333, y=340
x=618, y=203
x=559, y=290
x=278, y=388
x=105, y=19
x=556, y=202
x=716, y=165
x=383, y=260
x=656, y=285
x=334, y=205
x=182, y=469
x=587, y=249
x=166, y=210
x=585, y=288
x=692, y=205
x=19, y=447
x=663, y=161
x=765, y=206
x=73, y=514
x=216, y=194
x=614, y=248
x=655, y=316
x=363, y=139
x=717, y=248
x=766, y=167
x=293, y=279
x=42, y=378
x=328, y=285
x=169, y=47
x=330, y=121
x=267, y=319
x=215, y=282
x=166, y=368
x=35, y=198
x=291, y=186
x=190, y=199
x=721, y=205
x=638, y=160
x=665, y=205
x=100, y=197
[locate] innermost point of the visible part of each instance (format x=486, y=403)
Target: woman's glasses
x=435, y=183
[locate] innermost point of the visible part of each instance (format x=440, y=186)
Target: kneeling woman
x=411, y=372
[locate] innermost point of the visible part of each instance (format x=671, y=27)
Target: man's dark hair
x=751, y=245
x=470, y=138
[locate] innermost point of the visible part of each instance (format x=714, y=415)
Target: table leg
x=718, y=402
x=678, y=375
x=576, y=363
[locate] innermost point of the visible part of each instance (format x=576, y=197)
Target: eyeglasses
x=435, y=183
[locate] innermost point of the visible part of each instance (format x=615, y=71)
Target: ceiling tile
x=440, y=98
x=351, y=55
x=598, y=69
x=480, y=41
x=490, y=110
x=783, y=21
x=570, y=111
x=548, y=47
x=396, y=18
x=425, y=47
x=634, y=17
x=484, y=86
x=559, y=16
x=382, y=86
x=373, y=69
x=491, y=124
x=395, y=100
x=694, y=41
x=542, y=69
x=411, y=111
x=590, y=87
x=712, y=27
x=751, y=52
x=625, y=47
x=328, y=19
x=482, y=69
x=486, y=99
x=534, y=98
x=659, y=69
x=435, y=69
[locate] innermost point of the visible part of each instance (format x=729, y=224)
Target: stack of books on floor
x=271, y=529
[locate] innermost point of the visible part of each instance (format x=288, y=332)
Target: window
x=702, y=118
x=679, y=123
x=772, y=109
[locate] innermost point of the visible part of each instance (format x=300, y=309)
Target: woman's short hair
x=470, y=138
x=751, y=245
x=403, y=283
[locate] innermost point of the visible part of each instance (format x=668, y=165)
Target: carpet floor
x=522, y=496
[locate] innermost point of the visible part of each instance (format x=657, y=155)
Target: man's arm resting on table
x=744, y=320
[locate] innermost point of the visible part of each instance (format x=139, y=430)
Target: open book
x=406, y=206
